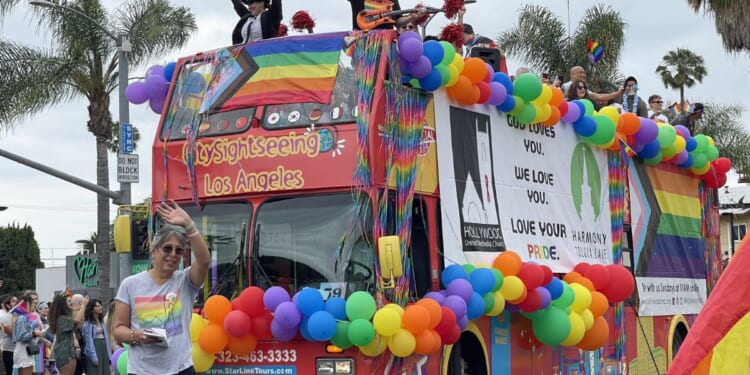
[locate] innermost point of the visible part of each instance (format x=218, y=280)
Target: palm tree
x=82, y=61
x=730, y=18
x=88, y=245
x=681, y=68
x=724, y=124
x=543, y=42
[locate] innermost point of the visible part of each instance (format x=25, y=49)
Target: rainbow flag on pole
x=596, y=51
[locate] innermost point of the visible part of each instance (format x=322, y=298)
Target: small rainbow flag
x=687, y=107
x=675, y=109
x=22, y=310
x=596, y=51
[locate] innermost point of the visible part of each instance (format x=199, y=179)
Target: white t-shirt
x=6, y=341
x=168, y=306
x=252, y=29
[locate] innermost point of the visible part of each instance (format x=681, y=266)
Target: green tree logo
x=584, y=167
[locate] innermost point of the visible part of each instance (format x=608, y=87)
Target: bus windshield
x=314, y=241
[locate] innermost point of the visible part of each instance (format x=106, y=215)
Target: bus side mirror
x=389, y=258
x=121, y=233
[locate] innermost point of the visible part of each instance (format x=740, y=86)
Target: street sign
x=126, y=133
x=127, y=168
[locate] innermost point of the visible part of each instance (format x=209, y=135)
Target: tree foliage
x=681, y=68
x=723, y=123
x=541, y=40
x=730, y=18
x=19, y=256
x=82, y=61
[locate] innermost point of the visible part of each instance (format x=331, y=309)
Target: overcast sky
x=61, y=213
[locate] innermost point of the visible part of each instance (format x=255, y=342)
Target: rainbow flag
x=22, y=310
x=718, y=340
x=294, y=70
x=687, y=107
x=596, y=51
x=675, y=109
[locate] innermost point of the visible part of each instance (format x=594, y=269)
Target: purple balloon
x=681, y=157
x=287, y=314
x=647, y=132
x=463, y=322
x=409, y=35
x=439, y=298
x=461, y=288
x=573, y=114
x=136, y=93
x=155, y=69
x=545, y=295
x=457, y=304
x=411, y=50
x=157, y=86
x=497, y=93
x=421, y=68
x=637, y=147
x=115, y=356
x=274, y=296
x=683, y=131
x=282, y=333
x=490, y=70
x=504, y=80
x=156, y=105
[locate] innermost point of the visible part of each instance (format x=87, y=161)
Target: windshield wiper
x=258, y=270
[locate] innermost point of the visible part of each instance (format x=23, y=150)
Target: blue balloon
x=321, y=325
x=555, y=288
x=337, y=307
x=585, y=126
x=688, y=163
x=432, y=81
x=482, y=280
x=169, y=71
x=508, y=104
x=650, y=150
x=304, y=329
x=309, y=301
x=475, y=307
x=504, y=80
x=453, y=272
x=691, y=144
x=434, y=51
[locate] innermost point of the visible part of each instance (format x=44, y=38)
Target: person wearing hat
x=472, y=40
x=688, y=120
x=259, y=19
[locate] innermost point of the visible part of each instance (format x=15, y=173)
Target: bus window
x=313, y=241
x=342, y=109
x=418, y=253
x=224, y=228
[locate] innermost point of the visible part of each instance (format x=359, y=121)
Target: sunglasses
x=658, y=101
x=167, y=249
x=581, y=87
x=408, y=27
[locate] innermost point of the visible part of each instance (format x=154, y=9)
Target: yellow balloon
x=588, y=319
x=499, y=304
x=512, y=288
x=196, y=326
x=454, y=73
x=458, y=63
x=376, y=347
x=701, y=171
x=543, y=111
x=386, y=321
x=582, y=297
x=402, y=344
x=396, y=308
x=611, y=113
x=544, y=97
x=577, y=329
x=202, y=360
x=710, y=141
x=679, y=144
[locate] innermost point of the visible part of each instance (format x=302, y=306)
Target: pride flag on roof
x=276, y=71
x=718, y=341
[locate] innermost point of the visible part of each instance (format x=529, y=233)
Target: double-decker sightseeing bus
x=296, y=156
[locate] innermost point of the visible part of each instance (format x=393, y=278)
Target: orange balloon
x=416, y=319
x=242, y=345
x=595, y=337
x=586, y=283
x=460, y=89
x=554, y=116
x=438, y=342
x=425, y=342
x=508, y=263
x=557, y=97
x=521, y=298
x=571, y=277
x=628, y=123
x=599, y=304
x=216, y=308
x=213, y=338
x=474, y=69
x=472, y=97
x=436, y=313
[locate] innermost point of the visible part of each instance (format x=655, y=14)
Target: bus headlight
x=334, y=366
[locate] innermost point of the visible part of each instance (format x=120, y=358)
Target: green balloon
x=341, y=337
x=666, y=136
x=520, y=105
x=605, y=130
x=712, y=153
x=469, y=268
x=566, y=298
x=553, y=327
x=415, y=83
x=701, y=143
x=528, y=86
x=360, y=305
x=699, y=160
x=589, y=107
x=449, y=53
x=534, y=315
x=655, y=160
x=489, y=302
x=527, y=115
x=361, y=332
x=498, y=279
x=445, y=74
x=122, y=363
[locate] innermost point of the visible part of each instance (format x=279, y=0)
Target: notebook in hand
x=158, y=333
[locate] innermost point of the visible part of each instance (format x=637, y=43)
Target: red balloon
x=599, y=275
x=252, y=301
x=563, y=108
x=452, y=336
x=547, y=274
x=723, y=165
x=262, y=326
x=532, y=302
x=532, y=275
x=621, y=284
x=581, y=268
x=447, y=321
x=237, y=323
x=484, y=92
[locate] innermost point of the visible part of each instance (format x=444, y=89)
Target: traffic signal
x=139, y=239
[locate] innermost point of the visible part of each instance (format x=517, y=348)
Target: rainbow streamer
x=366, y=54
x=617, y=180
x=710, y=233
